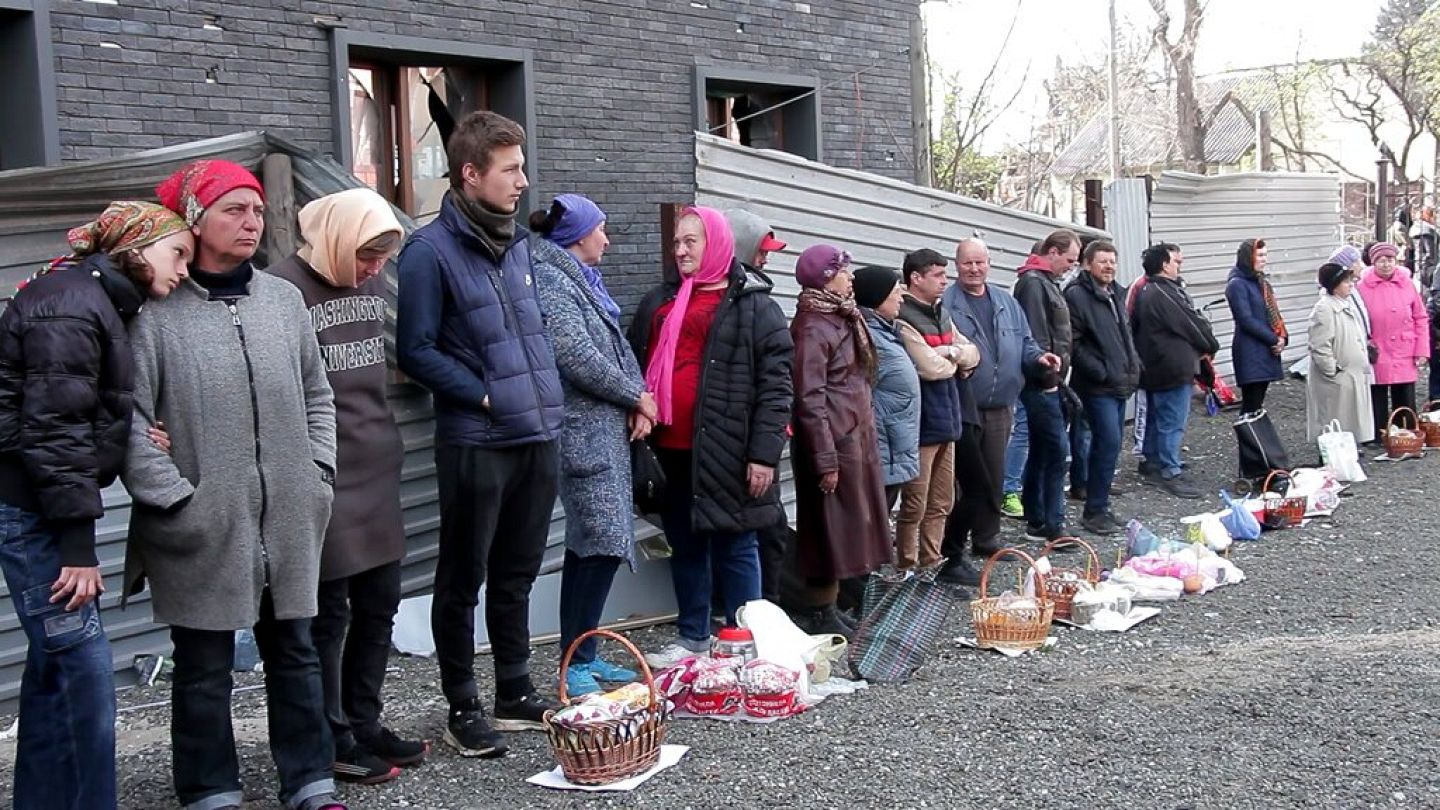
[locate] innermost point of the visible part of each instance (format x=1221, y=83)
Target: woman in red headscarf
x=65, y=395
x=717, y=356
x=228, y=524
x=842, y=523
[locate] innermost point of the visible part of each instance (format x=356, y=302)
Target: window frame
x=799, y=122
x=511, y=92
x=34, y=72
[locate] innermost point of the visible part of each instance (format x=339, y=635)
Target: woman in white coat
x=1338, y=386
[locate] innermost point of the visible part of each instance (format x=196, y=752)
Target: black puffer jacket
x=66, y=383
x=744, y=401
x=1170, y=335
x=1104, y=362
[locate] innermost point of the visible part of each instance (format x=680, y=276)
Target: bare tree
x=967, y=114
x=1190, y=125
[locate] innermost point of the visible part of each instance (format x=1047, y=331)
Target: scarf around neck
x=714, y=267
x=494, y=229
x=597, y=286
x=1272, y=307
x=819, y=299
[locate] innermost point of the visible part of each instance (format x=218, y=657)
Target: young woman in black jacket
x=66, y=379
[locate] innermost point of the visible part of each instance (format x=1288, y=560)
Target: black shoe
x=984, y=550
x=359, y=766
x=1181, y=488
x=959, y=572
x=525, y=713
x=387, y=745
x=1040, y=534
x=1103, y=524
x=1078, y=493
x=824, y=621
x=468, y=732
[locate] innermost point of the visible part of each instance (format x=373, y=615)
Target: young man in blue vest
x=469, y=329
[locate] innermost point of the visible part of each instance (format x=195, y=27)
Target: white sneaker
x=668, y=656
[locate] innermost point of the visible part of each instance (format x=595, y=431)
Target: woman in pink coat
x=1400, y=328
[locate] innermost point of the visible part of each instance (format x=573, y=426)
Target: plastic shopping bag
x=1239, y=521
x=1338, y=451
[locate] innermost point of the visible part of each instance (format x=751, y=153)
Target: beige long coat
x=1337, y=386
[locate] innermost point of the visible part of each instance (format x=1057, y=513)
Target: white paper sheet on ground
x=1008, y=653
x=1108, y=621
x=836, y=686
x=555, y=778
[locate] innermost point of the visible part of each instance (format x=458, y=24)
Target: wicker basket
x=1062, y=591
x=1285, y=512
x=608, y=752
x=1398, y=446
x=1431, y=429
x=1024, y=629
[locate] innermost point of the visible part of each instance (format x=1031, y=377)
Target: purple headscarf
x=579, y=216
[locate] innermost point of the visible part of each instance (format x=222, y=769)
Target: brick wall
x=612, y=80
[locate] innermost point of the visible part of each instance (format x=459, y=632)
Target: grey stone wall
x=613, y=83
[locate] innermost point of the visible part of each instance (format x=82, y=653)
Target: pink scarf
x=714, y=267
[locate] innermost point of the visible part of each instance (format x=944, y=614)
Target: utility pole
x=920, y=100
x=1114, y=97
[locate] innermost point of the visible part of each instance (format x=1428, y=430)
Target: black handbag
x=647, y=478
x=1259, y=446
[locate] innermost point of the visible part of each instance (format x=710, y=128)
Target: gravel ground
x=1312, y=684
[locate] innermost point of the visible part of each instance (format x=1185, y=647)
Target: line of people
x=245, y=411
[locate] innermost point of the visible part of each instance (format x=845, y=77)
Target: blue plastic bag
x=1241, y=523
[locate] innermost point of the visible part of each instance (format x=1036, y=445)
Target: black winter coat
x=743, y=407
x=1038, y=292
x=1170, y=335
x=66, y=389
x=1103, y=362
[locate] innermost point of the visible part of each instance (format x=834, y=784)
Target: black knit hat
x=1330, y=275
x=873, y=285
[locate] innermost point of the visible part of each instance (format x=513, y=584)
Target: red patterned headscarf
x=196, y=186
x=123, y=225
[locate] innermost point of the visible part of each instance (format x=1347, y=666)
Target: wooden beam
x=282, y=230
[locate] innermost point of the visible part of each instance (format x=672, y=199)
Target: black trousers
x=495, y=507
x=1252, y=396
x=352, y=634
x=976, y=516
x=1384, y=399
x=774, y=549
x=205, y=765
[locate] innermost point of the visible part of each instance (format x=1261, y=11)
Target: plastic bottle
x=734, y=642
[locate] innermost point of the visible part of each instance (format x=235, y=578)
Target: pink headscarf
x=714, y=266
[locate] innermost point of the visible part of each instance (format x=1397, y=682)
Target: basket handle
x=1094, y=557
x=1414, y=420
x=1040, y=595
x=624, y=642
x=1265, y=487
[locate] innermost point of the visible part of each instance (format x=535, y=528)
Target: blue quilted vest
x=492, y=324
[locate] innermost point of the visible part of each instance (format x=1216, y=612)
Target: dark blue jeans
x=584, y=587
x=1107, y=427
x=736, y=558
x=1079, y=453
x=205, y=766
x=1043, y=492
x=1166, y=413
x=65, y=755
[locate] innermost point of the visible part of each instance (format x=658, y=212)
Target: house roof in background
x=1147, y=125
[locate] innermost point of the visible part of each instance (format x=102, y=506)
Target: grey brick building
x=609, y=90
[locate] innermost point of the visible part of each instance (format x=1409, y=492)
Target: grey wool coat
x=240, y=502
x=602, y=384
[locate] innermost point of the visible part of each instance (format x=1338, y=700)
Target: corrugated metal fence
x=1298, y=215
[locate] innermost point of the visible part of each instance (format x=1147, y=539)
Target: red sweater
x=689, y=357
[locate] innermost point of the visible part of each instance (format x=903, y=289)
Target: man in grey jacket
x=992, y=319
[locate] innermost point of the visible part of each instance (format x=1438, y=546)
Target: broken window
x=781, y=114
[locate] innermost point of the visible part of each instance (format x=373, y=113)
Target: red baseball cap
x=770, y=243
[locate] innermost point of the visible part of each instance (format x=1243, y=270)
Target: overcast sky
x=966, y=35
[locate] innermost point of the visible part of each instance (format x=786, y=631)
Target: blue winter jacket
x=469, y=326
x=1250, y=346
x=997, y=381
x=896, y=399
